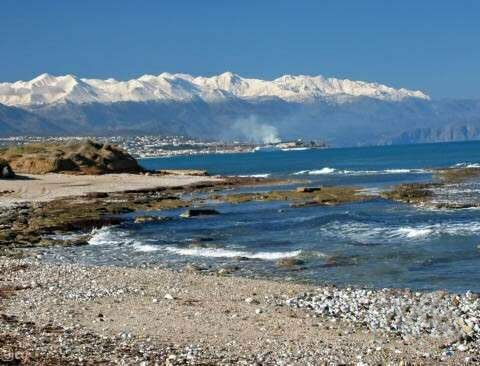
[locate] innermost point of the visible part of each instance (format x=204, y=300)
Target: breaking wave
x=263, y=175
x=328, y=170
x=113, y=236
x=466, y=165
x=230, y=253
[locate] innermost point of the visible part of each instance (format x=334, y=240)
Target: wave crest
x=328, y=170
x=230, y=253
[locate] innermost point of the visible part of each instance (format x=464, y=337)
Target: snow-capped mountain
x=47, y=89
x=228, y=106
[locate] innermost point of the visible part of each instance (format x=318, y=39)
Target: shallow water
x=376, y=244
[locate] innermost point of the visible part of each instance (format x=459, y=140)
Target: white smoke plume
x=249, y=129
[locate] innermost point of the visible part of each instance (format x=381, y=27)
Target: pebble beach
x=71, y=314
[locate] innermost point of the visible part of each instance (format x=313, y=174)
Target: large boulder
x=6, y=171
x=84, y=157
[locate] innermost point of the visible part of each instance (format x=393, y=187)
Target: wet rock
x=302, y=197
x=289, y=262
x=308, y=189
x=7, y=235
x=145, y=219
x=47, y=242
x=240, y=258
x=415, y=193
x=339, y=260
x=457, y=175
x=27, y=238
x=195, y=212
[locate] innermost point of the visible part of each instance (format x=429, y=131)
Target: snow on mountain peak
x=48, y=89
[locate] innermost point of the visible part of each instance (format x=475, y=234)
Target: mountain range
x=230, y=107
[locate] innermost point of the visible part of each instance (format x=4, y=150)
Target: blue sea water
x=378, y=243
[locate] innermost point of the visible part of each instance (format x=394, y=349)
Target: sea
x=374, y=244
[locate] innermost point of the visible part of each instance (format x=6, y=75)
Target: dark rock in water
x=84, y=157
x=340, y=261
x=6, y=171
x=456, y=205
x=241, y=258
x=289, y=262
x=415, y=193
x=145, y=219
x=308, y=189
x=194, y=212
x=305, y=204
x=204, y=239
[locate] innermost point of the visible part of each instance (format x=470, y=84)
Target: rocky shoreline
x=30, y=224
x=71, y=314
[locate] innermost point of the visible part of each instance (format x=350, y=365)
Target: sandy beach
x=46, y=187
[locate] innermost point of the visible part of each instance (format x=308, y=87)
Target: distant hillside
x=461, y=132
x=16, y=121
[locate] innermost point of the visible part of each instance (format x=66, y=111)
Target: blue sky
x=429, y=45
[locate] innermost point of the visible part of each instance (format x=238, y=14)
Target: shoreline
x=148, y=314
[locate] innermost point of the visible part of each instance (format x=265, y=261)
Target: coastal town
x=150, y=146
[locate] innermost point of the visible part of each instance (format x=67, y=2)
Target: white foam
x=466, y=165
x=111, y=235
x=263, y=175
x=328, y=170
x=404, y=171
x=322, y=171
x=102, y=236
x=229, y=253
x=371, y=191
x=367, y=233
x=410, y=232
x=140, y=247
